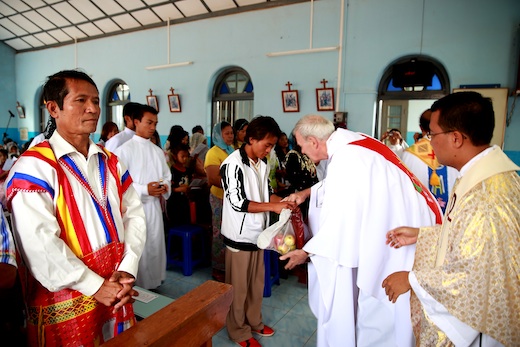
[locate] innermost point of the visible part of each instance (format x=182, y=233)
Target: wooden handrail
x=190, y=321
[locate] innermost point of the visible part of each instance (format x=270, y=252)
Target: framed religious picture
x=20, y=110
x=174, y=101
x=325, y=99
x=151, y=100
x=290, y=101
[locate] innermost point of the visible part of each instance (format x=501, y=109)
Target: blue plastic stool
x=272, y=275
x=186, y=233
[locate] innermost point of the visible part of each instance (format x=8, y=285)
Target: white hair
x=314, y=125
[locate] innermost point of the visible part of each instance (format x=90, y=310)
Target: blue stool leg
x=187, y=268
x=267, y=276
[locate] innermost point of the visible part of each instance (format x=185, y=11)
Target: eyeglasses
x=431, y=135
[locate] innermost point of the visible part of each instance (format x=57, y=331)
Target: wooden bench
x=189, y=321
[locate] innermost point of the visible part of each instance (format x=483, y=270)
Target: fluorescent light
x=168, y=65
x=303, y=51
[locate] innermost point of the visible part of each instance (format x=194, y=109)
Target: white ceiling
x=27, y=25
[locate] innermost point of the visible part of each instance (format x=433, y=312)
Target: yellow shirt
x=215, y=156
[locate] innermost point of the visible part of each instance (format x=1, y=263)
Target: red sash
x=386, y=152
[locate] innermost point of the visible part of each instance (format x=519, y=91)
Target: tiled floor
x=286, y=310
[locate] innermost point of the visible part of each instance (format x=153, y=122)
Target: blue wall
x=8, y=93
x=475, y=40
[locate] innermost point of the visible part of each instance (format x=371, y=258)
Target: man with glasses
x=465, y=283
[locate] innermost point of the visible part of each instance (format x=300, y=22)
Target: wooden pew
x=190, y=321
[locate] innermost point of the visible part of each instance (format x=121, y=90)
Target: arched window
x=118, y=96
x=232, y=96
x=409, y=86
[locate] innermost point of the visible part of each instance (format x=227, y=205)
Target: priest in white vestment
x=151, y=179
x=465, y=280
x=367, y=189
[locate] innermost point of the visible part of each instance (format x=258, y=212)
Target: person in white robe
x=129, y=111
x=394, y=140
x=465, y=283
x=366, y=190
x=151, y=179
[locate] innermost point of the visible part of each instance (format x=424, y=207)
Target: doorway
x=408, y=87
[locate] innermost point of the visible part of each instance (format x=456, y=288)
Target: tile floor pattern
x=286, y=311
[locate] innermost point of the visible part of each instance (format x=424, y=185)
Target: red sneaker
x=252, y=342
x=266, y=331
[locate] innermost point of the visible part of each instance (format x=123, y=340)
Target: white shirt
x=119, y=138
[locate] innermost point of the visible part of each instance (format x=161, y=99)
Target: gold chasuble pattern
x=470, y=264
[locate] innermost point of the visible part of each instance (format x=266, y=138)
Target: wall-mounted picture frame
x=24, y=134
x=151, y=100
x=290, y=101
x=20, y=110
x=325, y=99
x=174, y=101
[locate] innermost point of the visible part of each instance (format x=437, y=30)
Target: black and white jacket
x=242, y=184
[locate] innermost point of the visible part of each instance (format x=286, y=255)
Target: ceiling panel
x=27, y=25
x=72, y=14
x=87, y=8
x=33, y=41
x=131, y=4
x=5, y=34
x=53, y=16
x=167, y=12
x=109, y=7
x=146, y=17
x=34, y=3
x=6, y=10
x=90, y=29
x=12, y=27
x=46, y=38
x=74, y=32
x=153, y=2
x=107, y=25
x=219, y=5
x=126, y=21
x=191, y=7
x=248, y=2
x=17, y=5
x=39, y=20
x=60, y=35
x=18, y=44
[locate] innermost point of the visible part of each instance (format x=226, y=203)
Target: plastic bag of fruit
x=280, y=236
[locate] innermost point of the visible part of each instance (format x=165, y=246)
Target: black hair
x=469, y=113
x=197, y=129
x=141, y=109
x=107, y=128
x=55, y=89
x=131, y=109
x=260, y=127
x=424, y=120
x=177, y=133
x=175, y=150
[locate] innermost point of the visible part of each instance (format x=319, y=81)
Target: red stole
x=386, y=152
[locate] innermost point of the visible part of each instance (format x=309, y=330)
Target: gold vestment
x=471, y=264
